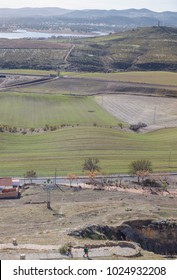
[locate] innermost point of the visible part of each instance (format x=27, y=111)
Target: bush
x=120, y=125
x=64, y=249
x=46, y=127
x=32, y=129
x=24, y=132
x=136, y=127
x=151, y=183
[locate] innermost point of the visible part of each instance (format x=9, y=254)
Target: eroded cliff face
x=157, y=236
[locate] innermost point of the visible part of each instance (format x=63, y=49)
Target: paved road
x=84, y=179
x=65, y=180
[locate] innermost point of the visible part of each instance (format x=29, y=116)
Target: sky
x=155, y=5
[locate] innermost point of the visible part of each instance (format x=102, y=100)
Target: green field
x=28, y=71
x=66, y=150
x=148, y=77
x=87, y=133
x=36, y=110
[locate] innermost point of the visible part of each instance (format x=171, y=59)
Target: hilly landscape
x=120, y=18
x=147, y=48
x=69, y=101
x=74, y=93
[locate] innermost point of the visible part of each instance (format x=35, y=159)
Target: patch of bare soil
x=156, y=112
x=12, y=80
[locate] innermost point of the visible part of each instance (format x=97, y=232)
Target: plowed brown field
x=156, y=112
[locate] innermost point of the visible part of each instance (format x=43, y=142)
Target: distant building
x=7, y=190
x=6, y=182
x=16, y=183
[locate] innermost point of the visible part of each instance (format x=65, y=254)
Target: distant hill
x=129, y=17
x=147, y=48
x=140, y=17
x=33, y=12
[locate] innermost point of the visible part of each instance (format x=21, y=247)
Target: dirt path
x=68, y=53
x=34, y=251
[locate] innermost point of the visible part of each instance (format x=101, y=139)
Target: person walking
x=69, y=253
x=85, y=251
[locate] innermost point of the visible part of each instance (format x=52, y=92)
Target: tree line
x=139, y=168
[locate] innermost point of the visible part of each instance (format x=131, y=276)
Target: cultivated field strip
x=158, y=111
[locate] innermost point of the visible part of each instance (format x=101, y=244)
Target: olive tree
x=140, y=168
x=91, y=165
x=31, y=174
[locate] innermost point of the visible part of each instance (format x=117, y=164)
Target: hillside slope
x=149, y=48
x=142, y=49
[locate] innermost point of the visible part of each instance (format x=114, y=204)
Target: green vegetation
x=66, y=150
x=38, y=110
x=148, y=77
x=140, y=168
x=91, y=165
x=151, y=48
x=83, y=129
x=28, y=71
x=31, y=174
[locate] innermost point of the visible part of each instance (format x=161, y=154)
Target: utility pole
x=169, y=160
x=48, y=188
x=154, y=115
x=48, y=199
x=102, y=100
x=55, y=180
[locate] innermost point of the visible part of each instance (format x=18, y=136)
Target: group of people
x=70, y=254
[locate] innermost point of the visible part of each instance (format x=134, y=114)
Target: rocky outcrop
x=157, y=236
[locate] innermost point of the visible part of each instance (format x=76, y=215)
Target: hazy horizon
x=158, y=5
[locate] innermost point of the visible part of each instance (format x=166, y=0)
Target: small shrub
x=120, y=125
x=64, y=249
x=151, y=183
x=53, y=127
x=14, y=129
x=46, y=127
x=32, y=129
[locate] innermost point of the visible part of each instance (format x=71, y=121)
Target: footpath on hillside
x=33, y=252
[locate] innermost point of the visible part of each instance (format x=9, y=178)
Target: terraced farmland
x=34, y=54
x=35, y=58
